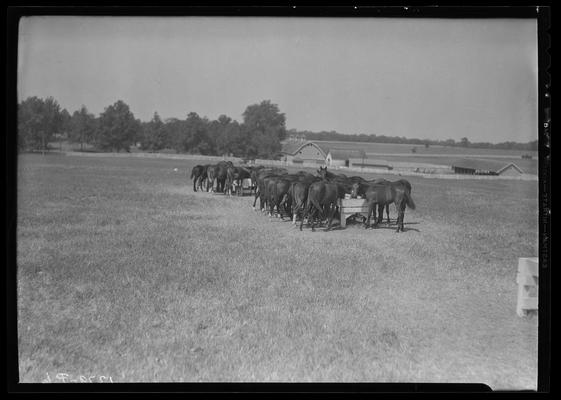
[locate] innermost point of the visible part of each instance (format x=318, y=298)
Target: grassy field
x=124, y=272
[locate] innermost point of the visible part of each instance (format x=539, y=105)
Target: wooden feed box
x=527, y=279
x=348, y=207
x=245, y=187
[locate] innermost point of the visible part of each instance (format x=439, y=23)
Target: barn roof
x=293, y=147
x=510, y=165
x=484, y=165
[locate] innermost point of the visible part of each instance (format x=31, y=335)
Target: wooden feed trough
x=349, y=207
x=527, y=279
x=245, y=188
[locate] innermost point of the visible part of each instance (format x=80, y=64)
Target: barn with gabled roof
x=300, y=152
x=475, y=166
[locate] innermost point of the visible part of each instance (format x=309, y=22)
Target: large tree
x=82, y=127
x=227, y=136
x=117, y=128
x=66, y=123
x=153, y=134
x=38, y=121
x=194, y=135
x=266, y=127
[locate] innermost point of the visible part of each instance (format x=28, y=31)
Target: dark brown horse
x=322, y=202
x=298, y=195
x=196, y=174
x=280, y=195
x=221, y=173
x=258, y=177
x=234, y=178
x=202, y=178
x=211, y=176
x=382, y=194
x=323, y=173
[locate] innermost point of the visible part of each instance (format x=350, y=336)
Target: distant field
x=437, y=155
x=391, y=148
x=124, y=272
x=528, y=166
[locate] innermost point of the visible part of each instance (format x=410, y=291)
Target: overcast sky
x=418, y=78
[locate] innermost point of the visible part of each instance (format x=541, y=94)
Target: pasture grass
x=123, y=271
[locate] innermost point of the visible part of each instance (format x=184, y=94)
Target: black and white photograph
x=278, y=199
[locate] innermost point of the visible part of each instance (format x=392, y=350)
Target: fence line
x=154, y=155
x=277, y=163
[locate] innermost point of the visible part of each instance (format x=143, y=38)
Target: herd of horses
x=305, y=196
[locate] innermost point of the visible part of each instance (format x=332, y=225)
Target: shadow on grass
x=383, y=226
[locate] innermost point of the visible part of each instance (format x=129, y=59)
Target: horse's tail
x=409, y=200
x=315, y=202
x=274, y=197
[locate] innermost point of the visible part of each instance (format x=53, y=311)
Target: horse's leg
x=380, y=213
x=370, y=210
x=402, y=215
x=261, y=201
x=323, y=215
x=295, y=210
x=400, y=206
x=305, y=213
x=388, y=212
x=331, y=214
x=281, y=208
x=399, y=221
x=289, y=209
x=271, y=208
x=255, y=199
x=313, y=217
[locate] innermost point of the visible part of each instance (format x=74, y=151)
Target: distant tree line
x=464, y=142
x=259, y=135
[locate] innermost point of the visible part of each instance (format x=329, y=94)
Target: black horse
x=202, y=178
x=298, y=195
x=196, y=174
x=386, y=182
x=280, y=196
x=234, y=178
x=383, y=194
x=221, y=172
x=211, y=176
x=258, y=177
x=322, y=202
x=240, y=174
x=278, y=189
x=323, y=173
